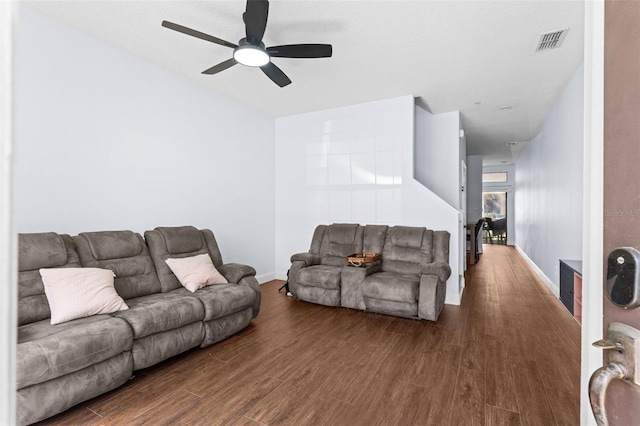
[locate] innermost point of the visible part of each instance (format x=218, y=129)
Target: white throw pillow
x=80, y=292
x=195, y=272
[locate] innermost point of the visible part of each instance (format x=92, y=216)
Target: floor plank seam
x=97, y=414
x=192, y=393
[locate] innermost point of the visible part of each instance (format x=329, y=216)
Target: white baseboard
x=554, y=288
x=266, y=277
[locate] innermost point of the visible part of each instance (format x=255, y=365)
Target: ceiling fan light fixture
x=251, y=56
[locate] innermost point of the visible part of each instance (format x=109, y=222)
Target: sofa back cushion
x=441, y=246
x=374, y=238
x=35, y=251
x=126, y=254
x=405, y=248
x=340, y=240
x=316, y=240
x=179, y=242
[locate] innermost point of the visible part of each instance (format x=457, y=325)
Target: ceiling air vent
x=551, y=40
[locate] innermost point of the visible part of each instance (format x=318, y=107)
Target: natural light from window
x=495, y=177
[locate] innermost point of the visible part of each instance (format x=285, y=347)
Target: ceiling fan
x=250, y=51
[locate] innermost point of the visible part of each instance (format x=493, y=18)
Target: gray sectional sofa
x=62, y=365
x=409, y=279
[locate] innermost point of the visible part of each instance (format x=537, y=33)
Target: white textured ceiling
x=473, y=56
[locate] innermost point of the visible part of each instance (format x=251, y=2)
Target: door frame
x=8, y=264
x=593, y=207
x=509, y=190
x=508, y=207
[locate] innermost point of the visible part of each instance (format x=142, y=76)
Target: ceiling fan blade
x=255, y=20
x=275, y=74
x=301, y=51
x=198, y=34
x=220, y=67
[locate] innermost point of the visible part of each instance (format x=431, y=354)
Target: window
x=494, y=205
x=494, y=177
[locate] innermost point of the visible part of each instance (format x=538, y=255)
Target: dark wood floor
x=509, y=355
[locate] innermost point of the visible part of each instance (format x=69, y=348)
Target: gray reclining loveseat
x=408, y=280
x=64, y=364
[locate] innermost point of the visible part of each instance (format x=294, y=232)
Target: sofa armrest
x=292, y=275
x=251, y=282
x=351, y=279
x=431, y=297
x=440, y=269
x=234, y=272
x=308, y=258
x=363, y=271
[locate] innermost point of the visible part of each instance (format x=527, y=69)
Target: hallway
x=521, y=338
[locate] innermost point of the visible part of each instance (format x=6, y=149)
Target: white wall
x=438, y=151
x=510, y=188
x=549, y=185
x=353, y=164
x=474, y=188
x=108, y=141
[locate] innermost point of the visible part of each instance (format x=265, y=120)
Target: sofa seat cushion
x=392, y=286
x=323, y=276
x=220, y=300
x=46, y=351
x=159, y=312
